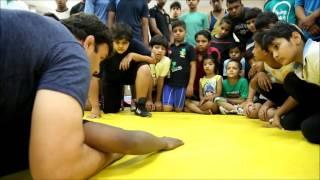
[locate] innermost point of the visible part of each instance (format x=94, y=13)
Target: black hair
x=121, y=31
x=179, y=23
x=82, y=25
x=213, y=58
x=241, y=47
x=265, y=19
x=233, y=1
x=159, y=40
x=258, y=37
x=227, y=20
x=252, y=13
x=280, y=30
x=237, y=62
x=52, y=15
x=175, y=4
x=204, y=33
x=248, y=54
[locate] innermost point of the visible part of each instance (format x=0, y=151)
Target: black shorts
x=109, y=72
x=112, y=81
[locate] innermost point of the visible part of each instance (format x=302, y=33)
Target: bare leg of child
x=193, y=106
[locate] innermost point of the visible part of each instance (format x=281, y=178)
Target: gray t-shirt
x=35, y=53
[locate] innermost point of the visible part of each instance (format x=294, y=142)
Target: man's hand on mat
x=172, y=143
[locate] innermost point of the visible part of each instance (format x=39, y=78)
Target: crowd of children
x=260, y=64
x=223, y=63
x=226, y=61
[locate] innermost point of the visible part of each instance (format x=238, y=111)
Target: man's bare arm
x=57, y=148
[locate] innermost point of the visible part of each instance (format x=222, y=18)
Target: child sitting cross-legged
x=234, y=90
x=210, y=87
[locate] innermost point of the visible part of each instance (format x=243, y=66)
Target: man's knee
x=310, y=129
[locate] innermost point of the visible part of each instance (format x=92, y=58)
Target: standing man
x=62, y=11
x=99, y=8
x=134, y=13
x=160, y=21
x=236, y=11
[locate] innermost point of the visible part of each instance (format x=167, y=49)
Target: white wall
x=204, y=6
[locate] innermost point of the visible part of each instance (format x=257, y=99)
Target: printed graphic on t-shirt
x=174, y=67
x=209, y=88
x=183, y=53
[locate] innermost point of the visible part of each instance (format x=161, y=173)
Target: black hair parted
x=82, y=25
x=204, y=33
x=252, y=13
x=121, y=31
x=179, y=23
x=175, y=4
x=159, y=40
x=280, y=30
x=265, y=19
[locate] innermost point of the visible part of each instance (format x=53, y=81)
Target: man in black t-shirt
x=236, y=13
x=160, y=21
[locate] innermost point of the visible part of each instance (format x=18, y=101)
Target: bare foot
x=172, y=143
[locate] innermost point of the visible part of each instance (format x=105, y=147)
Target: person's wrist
x=95, y=106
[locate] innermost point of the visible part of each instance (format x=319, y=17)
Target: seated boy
x=287, y=45
x=159, y=71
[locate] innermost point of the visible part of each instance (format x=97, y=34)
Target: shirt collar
x=307, y=46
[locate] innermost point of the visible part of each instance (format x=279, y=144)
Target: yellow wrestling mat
x=216, y=147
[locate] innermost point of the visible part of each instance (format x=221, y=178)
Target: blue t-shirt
x=130, y=12
x=36, y=53
x=309, y=7
x=97, y=7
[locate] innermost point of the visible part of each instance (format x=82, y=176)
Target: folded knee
x=311, y=131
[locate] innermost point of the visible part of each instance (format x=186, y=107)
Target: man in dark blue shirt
x=44, y=79
x=134, y=13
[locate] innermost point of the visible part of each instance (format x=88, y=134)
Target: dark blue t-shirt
x=35, y=53
x=130, y=12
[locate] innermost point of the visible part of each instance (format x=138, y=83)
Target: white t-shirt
x=311, y=63
x=62, y=15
